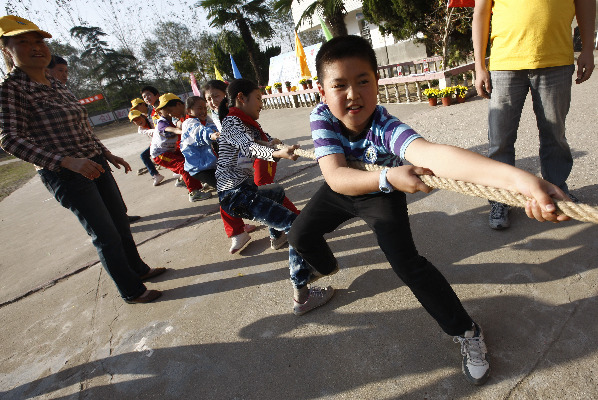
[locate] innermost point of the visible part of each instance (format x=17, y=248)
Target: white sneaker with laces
x=180, y=183
x=239, y=241
x=198, y=195
x=317, y=297
x=158, y=179
x=280, y=241
x=473, y=349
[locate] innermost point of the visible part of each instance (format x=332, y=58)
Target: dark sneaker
x=473, y=349
x=499, y=216
x=317, y=297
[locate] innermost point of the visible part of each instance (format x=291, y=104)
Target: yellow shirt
x=530, y=34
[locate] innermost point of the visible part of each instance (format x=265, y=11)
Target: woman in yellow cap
x=42, y=123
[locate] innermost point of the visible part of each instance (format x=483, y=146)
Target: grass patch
x=13, y=175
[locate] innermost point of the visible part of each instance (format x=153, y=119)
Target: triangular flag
x=236, y=72
x=194, y=87
x=302, y=59
x=218, y=74
x=327, y=33
x=461, y=3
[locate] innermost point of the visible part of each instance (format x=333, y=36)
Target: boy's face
x=60, y=72
x=199, y=110
x=149, y=98
x=176, y=111
x=350, y=88
x=139, y=121
x=142, y=108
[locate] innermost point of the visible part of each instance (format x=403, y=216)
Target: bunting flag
x=327, y=33
x=218, y=74
x=301, y=57
x=236, y=72
x=194, y=87
x=461, y=3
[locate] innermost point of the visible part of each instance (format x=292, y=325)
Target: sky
x=121, y=20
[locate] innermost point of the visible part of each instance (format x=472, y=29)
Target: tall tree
x=333, y=12
x=248, y=17
x=446, y=31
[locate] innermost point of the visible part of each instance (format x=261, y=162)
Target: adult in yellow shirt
x=531, y=51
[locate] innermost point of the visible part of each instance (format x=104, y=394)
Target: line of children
x=139, y=116
x=239, y=195
x=165, y=145
x=264, y=171
x=349, y=125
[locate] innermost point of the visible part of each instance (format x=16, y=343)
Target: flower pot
x=288, y=88
x=433, y=101
x=279, y=89
x=309, y=85
x=269, y=91
x=460, y=99
x=304, y=86
x=446, y=101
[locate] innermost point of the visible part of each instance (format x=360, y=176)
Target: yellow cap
x=136, y=102
x=11, y=25
x=165, y=98
x=134, y=114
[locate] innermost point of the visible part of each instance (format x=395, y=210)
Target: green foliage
x=333, y=12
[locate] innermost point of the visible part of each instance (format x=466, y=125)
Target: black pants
x=386, y=215
x=206, y=176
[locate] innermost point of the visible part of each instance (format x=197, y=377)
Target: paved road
x=223, y=328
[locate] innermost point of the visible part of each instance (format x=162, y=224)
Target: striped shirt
x=43, y=124
x=384, y=143
x=237, y=150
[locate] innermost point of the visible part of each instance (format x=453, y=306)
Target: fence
x=401, y=84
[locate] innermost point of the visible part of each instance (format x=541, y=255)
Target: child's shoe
x=473, y=349
x=141, y=171
x=175, y=175
x=249, y=228
x=280, y=241
x=239, y=241
x=158, y=179
x=317, y=297
x=198, y=195
x=180, y=183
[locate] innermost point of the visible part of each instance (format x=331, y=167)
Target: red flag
x=461, y=3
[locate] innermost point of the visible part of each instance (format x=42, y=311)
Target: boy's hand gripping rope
x=578, y=211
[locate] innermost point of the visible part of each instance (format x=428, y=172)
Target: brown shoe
x=147, y=297
x=151, y=273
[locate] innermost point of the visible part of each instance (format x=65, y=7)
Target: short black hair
x=191, y=100
x=173, y=102
x=342, y=47
x=150, y=89
x=215, y=84
x=57, y=60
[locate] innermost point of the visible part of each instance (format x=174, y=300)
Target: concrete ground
x=223, y=328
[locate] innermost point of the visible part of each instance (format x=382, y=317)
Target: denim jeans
x=551, y=95
x=386, y=215
x=100, y=208
x=147, y=161
x=264, y=204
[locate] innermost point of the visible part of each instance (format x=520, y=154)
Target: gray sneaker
x=280, y=241
x=317, y=297
x=180, y=183
x=499, y=216
x=473, y=349
x=198, y=195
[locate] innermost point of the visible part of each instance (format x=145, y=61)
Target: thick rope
x=578, y=211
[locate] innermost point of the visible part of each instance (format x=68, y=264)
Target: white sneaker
x=473, y=349
x=317, y=297
x=158, y=179
x=277, y=243
x=198, y=195
x=180, y=183
x=175, y=175
x=239, y=241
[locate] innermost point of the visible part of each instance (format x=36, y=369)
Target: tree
x=333, y=12
x=249, y=18
x=446, y=31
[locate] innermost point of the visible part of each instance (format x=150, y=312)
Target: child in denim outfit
x=349, y=125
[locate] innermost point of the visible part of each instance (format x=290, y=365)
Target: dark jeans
x=206, y=176
x=386, y=215
x=147, y=161
x=264, y=204
x=101, y=210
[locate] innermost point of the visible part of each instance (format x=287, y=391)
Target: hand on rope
x=578, y=211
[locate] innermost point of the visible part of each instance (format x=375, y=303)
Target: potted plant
x=446, y=95
x=309, y=84
x=460, y=92
x=303, y=82
x=288, y=86
x=315, y=78
x=278, y=86
x=432, y=95
x=269, y=89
